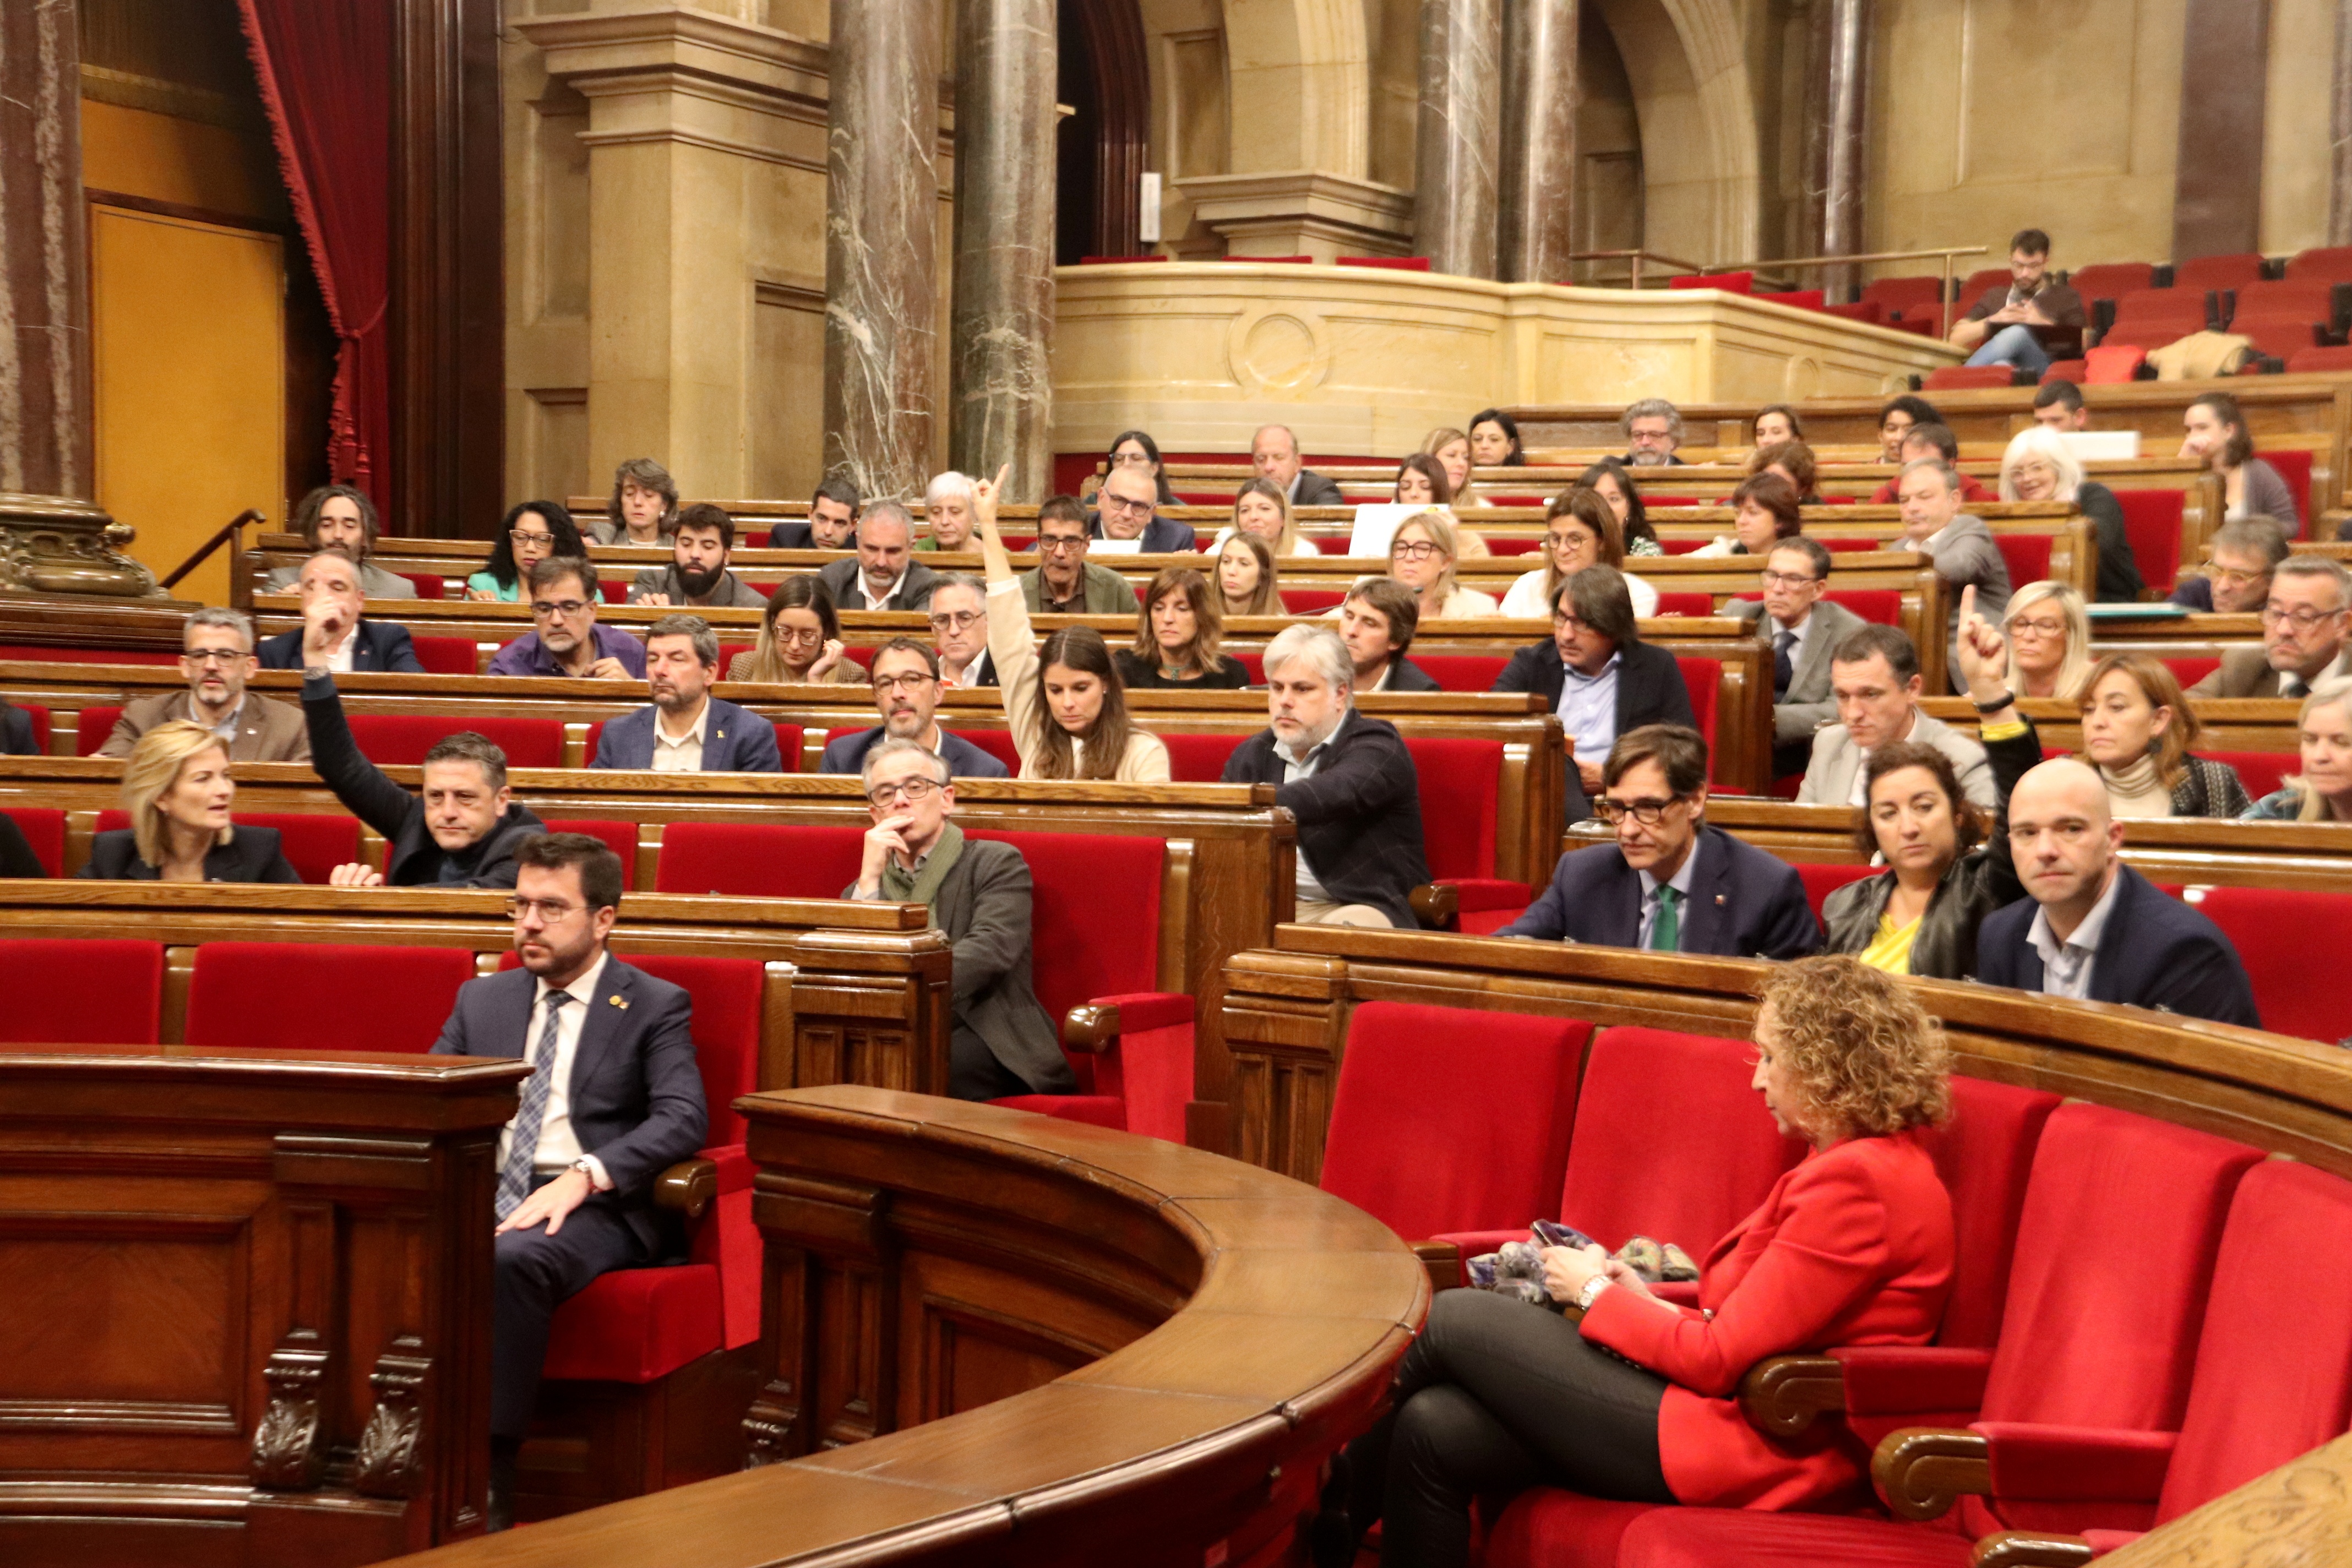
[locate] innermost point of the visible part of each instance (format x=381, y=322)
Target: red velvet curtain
x=325, y=69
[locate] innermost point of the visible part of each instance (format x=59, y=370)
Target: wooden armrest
x=1443, y=1259
x=1093, y=1028
x=2030, y=1549
x=689, y=1186
x=1437, y=904
x=1782, y=1395
x=1923, y=1470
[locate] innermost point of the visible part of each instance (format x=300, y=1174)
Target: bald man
x=2090, y=926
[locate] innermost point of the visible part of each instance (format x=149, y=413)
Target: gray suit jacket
x=983, y=907
x=1829, y=778
x=1807, y=705
x=267, y=731
x=2247, y=673
x=732, y=592
x=1964, y=554
x=840, y=579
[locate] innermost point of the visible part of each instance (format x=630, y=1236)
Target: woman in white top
x=1579, y=530
x=1422, y=557
x=1064, y=702
x=1260, y=507
x=2049, y=641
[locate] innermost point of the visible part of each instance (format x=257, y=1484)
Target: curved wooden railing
x=1060, y=1345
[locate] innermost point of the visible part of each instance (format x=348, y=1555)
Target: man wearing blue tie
x=614, y=1099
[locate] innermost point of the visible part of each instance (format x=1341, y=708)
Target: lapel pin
x=616, y=1002
x=1719, y=900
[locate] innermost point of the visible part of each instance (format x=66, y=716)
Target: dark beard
x=697, y=584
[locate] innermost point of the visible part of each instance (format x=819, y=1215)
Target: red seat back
x=2295, y=467
x=92, y=727
x=2309, y=299
x=1687, y=1176
x=2027, y=555
x=2261, y=772
x=2333, y=262
x=997, y=743
x=1311, y=601
x=620, y=838
x=1985, y=1155
x=2219, y=271
x=39, y=718
x=446, y=655
x=1094, y=910
x=1461, y=671
x=759, y=860
x=1869, y=311
x=1880, y=606
x=1800, y=299
x=81, y=992
x=324, y=996
x=1393, y=263
x=429, y=585
x=2296, y=946
x=1254, y=661
x=2152, y=526
x=44, y=828
x=2075, y=370
x=1448, y=1120
x=729, y=998
x=2189, y=671
x=1729, y=282
x=42, y=653
x=1703, y=676
x=2111, y=280
x=392, y=740
x=1959, y=377
x=1852, y=547
x=1973, y=286
x=1460, y=783
x=2319, y=361
x=1691, y=603
x=1199, y=759
x=313, y=842
x=1822, y=878
x=2112, y=362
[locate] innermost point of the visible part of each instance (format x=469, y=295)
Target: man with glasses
x=687, y=730
x=1654, y=428
x=1065, y=582
x=907, y=691
x=1670, y=883
x=1001, y=1042
x=958, y=615
x=331, y=584
x=2303, y=635
x=2245, y=551
x=1129, y=503
x=566, y=639
x=217, y=657
x=1802, y=629
x=698, y=575
x=831, y=521
x=1875, y=683
x=1598, y=673
x=882, y=575
x=614, y=1099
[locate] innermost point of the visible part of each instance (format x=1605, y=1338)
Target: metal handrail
x=1857, y=258
x=1636, y=257
x=231, y=533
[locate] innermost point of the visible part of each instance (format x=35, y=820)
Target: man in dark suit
x=687, y=730
x=217, y=657
x=2303, y=636
x=959, y=615
x=1597, y=673
x=1346, y=778
x=614, y=1099
x=831, y=521
x=907, y=691
x=1128, y=508
x=1670, y=883
x=1274, y=452
x=2090, y=926
x=1801, y=630
x=1377, y=621
x=1002, y=1042
x=333, y=577
x=883, y=574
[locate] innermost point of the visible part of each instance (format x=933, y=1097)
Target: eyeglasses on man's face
x=1121, y=504
x=567, y=609
x=914, y=790
x=1060, y=543
x=214, y=657
x=956, y=621
x=1647, y=811
x=2302, y=620
x=1788, y=579
x=550, y=911
x=913, y=680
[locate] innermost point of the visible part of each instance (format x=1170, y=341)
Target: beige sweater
x=1014, y=652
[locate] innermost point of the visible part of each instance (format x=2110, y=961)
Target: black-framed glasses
x=1788, y=580
x=543, y=608
x=1646, y=811
x=1120, y=504
x=1415, y=550
x=913, y=680
x=223, y=657
x=1060, y=544
x=916, y=791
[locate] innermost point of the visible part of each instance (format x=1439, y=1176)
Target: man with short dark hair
x=566, y=639
x=2058, y=405
x=832, y=522
x=1928, y=441
x=1127, y=507
x=2304, y=639
x=1597, y=673
x=1654, y=428
x=883, y=574
x=1065, y=583
x=341, y=515
x=1875, y=681
x=330, y=583
x=907, y=689
x=687, y=730
x=958, y=615
x=614, y=1099
x=1670, y=883
x=217, y=657
x=1274, y=453
x=2015, y=324
x=1377, y=621
x=2245, y=551
x=698, y=575
x=1802, y=629
x=1958, y=542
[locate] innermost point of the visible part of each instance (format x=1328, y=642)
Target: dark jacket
x=251, y=855
x=413, y=858
x=846, y=755
x=1229, y=676
x=636, y=1094
x=1979, y=882
x=1743, y=902
x=381, y=646
x=1650, y=688
x=1358, y=813
x=791, y=534
x=17, y=738
x=2153, y=951
x=2196, y=593
x=2119, y=580
x=983, y=906
x=1313, y=489
x=840, y=579
x=1162, y=535
x=1404, y=675
x=734, y=740
x=16, y=856
x=729, y=592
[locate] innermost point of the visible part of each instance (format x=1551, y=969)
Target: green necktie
x=1667, y=930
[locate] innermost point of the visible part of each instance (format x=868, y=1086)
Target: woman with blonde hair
x=1178, y=632
x=2049, y=632
x=177, y=790
x=800, y=640
x=1451, y=447
x=1421, y=556
x=2038, y=466
x=2138, y=730
x=1421, y=480
x=2323, y=791
x=1580, y=530
x=1248, y=581
x=1263, y=507
x=1064, y=702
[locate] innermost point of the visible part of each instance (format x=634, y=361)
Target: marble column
x=1001, y=318
x=45, y=379
x=881, y=209
x=1837, y=136
x=1537, y=223
x=1458, y=147
x=2339, y=173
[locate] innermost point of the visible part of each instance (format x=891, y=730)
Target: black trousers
x=1495, y=1396
x=975, y=1073
x=534, y=1273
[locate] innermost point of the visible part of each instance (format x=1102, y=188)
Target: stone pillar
x=1836, y=136
x=2339, y=173
x=1536, y=222
x=1002, y=323
x=1459, y=144
x=881, y=272
x=2217, y=196
x=45, y=379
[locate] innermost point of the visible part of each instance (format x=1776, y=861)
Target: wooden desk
x=248, y=1304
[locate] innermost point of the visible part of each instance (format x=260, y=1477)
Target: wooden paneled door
x=188, y=327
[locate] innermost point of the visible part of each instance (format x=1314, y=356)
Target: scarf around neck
x=900, y=886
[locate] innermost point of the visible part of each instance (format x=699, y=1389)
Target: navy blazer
x=1406, y=676
x=1650, y=688
x=251, y=855
x=1162, y=535
x=1358, y=813
x=1743, y=903
x=2153, y=951
x=381, y=646
x=735, y=741
x=635, y=1092
x=846, y=755
x=17, y=737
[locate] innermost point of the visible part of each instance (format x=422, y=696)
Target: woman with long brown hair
x=1179, y=631
x=1579, y=530
x=800, y=640
x=1248, y=583
x=2138, y=730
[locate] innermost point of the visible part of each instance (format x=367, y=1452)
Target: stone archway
x=1701, y=164
x=1299, y=79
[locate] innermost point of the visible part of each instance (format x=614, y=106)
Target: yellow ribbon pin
x=616, y=1002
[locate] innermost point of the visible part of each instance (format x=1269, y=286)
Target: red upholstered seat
x=2230, y=271
x=1703, y=676
x=313, y=842
x=2152, y=526
x=2309, y=299
x=1448, y=1120
x=1869, y=311
x=2189, y=671
x=638, y=1325
x=70, y=992
x=997, y=743
x=428, y=584
x=2077, y=371
x=1880, y=606
x=1717, y=1537
x=1523, y=545
x=2112, y=279
x=2277, y=337
x=612, y=590
x=620, y=838
x=44, y=828
x=2318, y=362
x=1798, y=299
x=1973, y=286
x=1254, y=661
x=1985, y=1155
x=42, y=653
x=1957, y=377
x=2027, y=555
x=92, y=727
x=1460, y=780
x=1461, y=671
x=2117, y=361
x=1311, y=601
x=1199, y=759
x=2333, y=262
x=2293, y=466
x=391, y=739
x=1691, y=603
x=758, y=859
x=446, y=655
x=1851, y=546
x=1823, y=879
x=1331, y=543
x=1394, y=263
x=2297, y=947
x=1902, y=293
x=324, y=996
x=1729, y=282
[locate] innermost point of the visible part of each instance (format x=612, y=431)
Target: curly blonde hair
x=1867, y=1056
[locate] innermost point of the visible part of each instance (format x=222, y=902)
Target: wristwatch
x=1592, y=1291
x=585, y=1169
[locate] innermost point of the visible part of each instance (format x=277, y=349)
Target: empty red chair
x=1254, y=661
x=392, y=740
x=2293, y=466
x=620, y=838
x=1461, y=783
x=2261, y=772
x=44, y=828
x=2112, y=362
x=2313, y=300
x=758, y=859
x=2152, y=526
x=2154, y=317
x=2027, y=555
x=1729, y=282
x=1283, y=260
x=1802, y=300
x=1199, y=759
x=1902, y=293
x=1823, y=877
x=313, y=842
x=2229, y=271
x=2075, y=370
x=428, y=584
x=447, y=656
x=324, y=996
x=1880, y=606
x=1692, y=604
x=2318, y=361
x=92, y=727
x=1973, y=286
x=2111, y=280
x=81, y=992
x=1461, y=671
x=1446, y=1120
x=2296, y=946
x=2277, y=337
x=39, y=718
x=2333, y=262
x=1703, y=676
x=1960, y=377
x=1866, y=310
x=1311, y=601
x=2189, y=671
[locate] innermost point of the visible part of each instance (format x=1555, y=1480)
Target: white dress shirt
x=1294, y=768
x=558, y=1144
x=877, y=601
x=2066, y=966
x=683, y=754
x=1587, y=710
x=340, y=661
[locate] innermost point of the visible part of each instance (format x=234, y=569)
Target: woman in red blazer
x=1628, y=1397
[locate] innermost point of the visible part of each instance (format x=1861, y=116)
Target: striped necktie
x=514, y=1177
